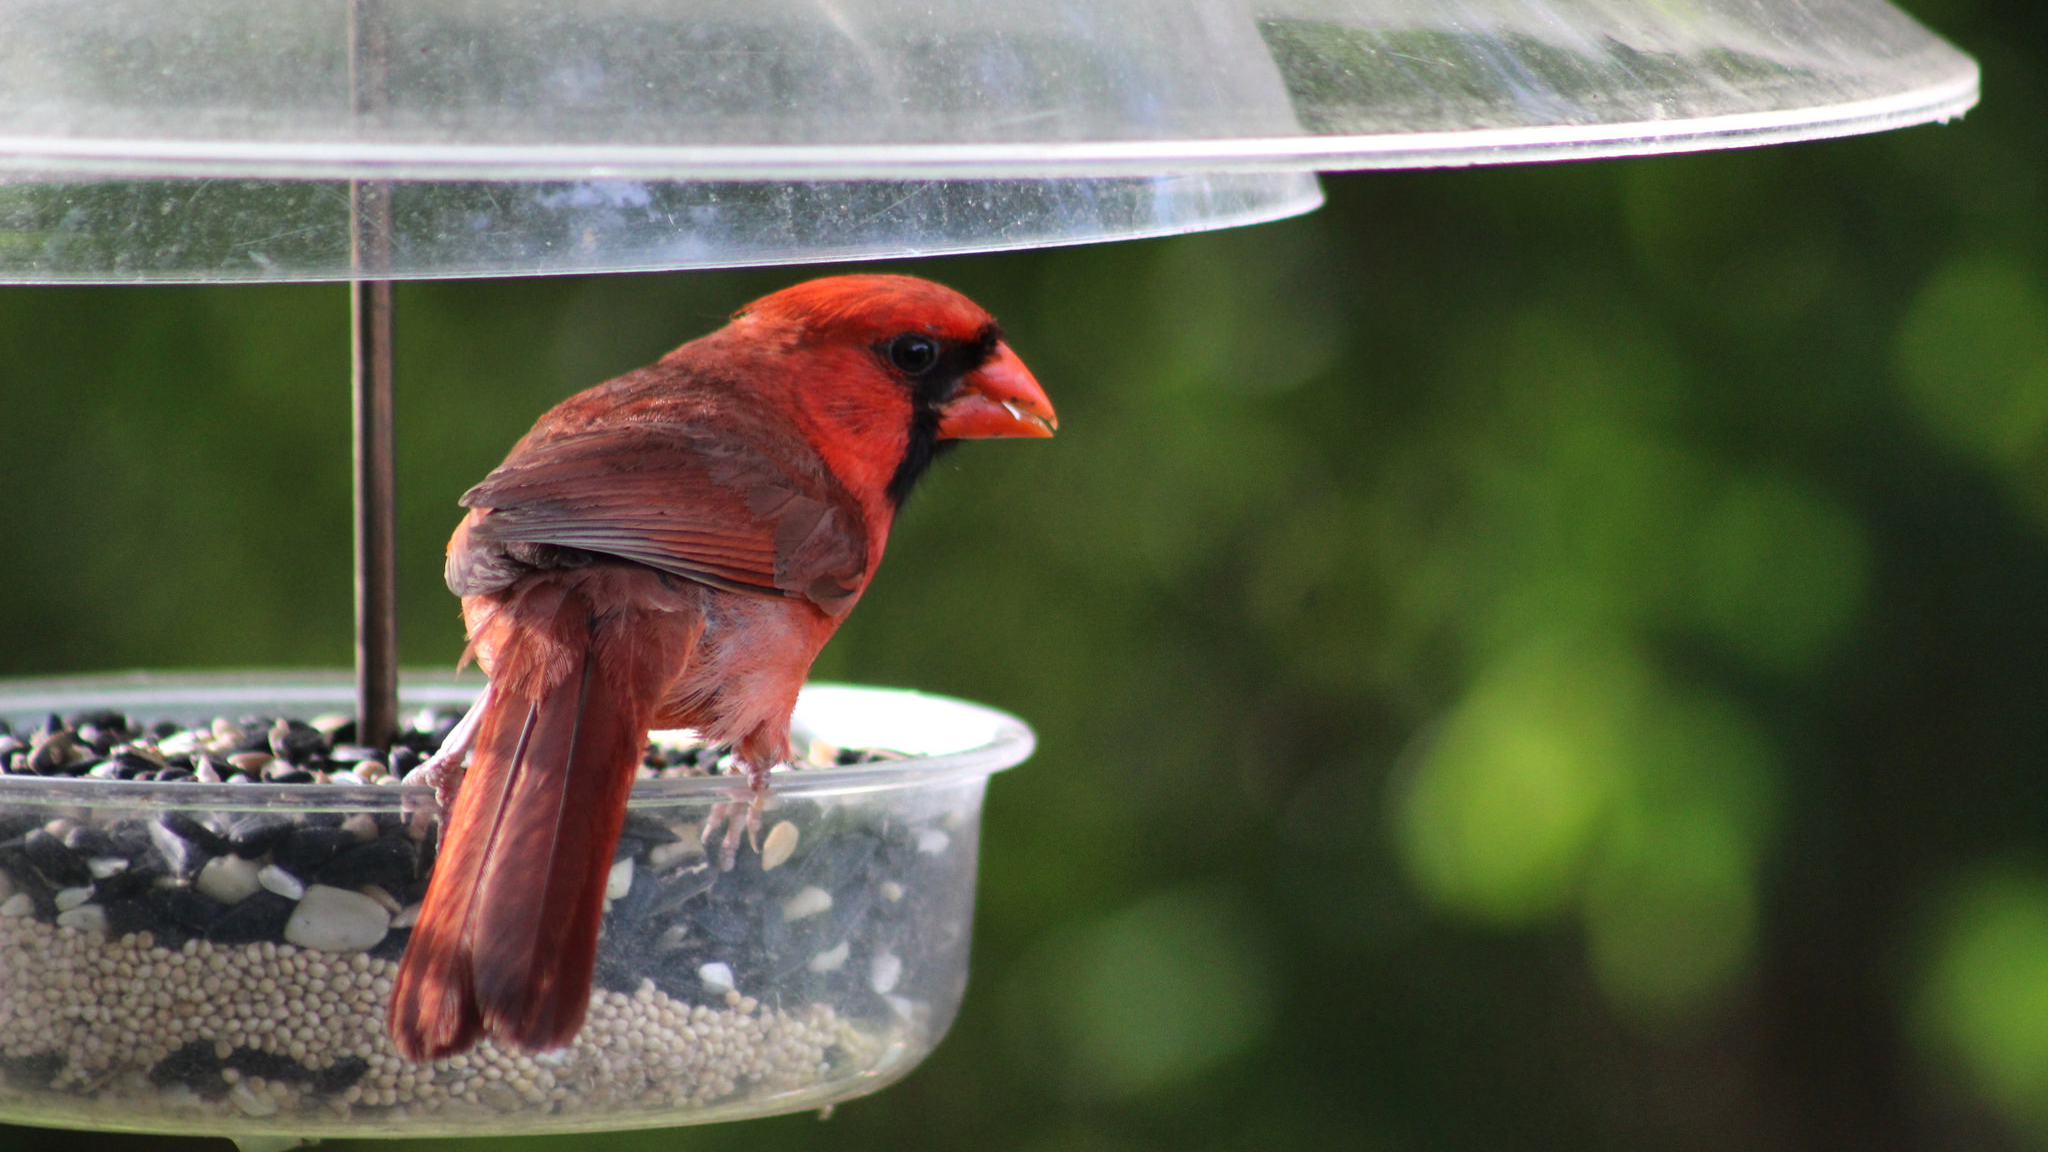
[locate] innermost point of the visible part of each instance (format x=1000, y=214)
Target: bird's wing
x=684, y=499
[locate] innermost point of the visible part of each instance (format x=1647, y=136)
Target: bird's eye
x=912, y=354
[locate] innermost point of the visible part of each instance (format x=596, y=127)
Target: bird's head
x=904, y=362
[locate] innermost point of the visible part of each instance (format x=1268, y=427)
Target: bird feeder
x=370, y=141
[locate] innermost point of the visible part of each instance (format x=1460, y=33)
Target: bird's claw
x=444, y=770
x=445, y=774
x=741, y=816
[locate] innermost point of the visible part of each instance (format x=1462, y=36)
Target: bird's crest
x=874, y=305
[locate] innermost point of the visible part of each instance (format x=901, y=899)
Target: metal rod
x=370, y=321
x=376, y=500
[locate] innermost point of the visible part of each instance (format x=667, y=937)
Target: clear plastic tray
x=149, y=978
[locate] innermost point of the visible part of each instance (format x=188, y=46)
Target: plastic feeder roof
x=150, y=140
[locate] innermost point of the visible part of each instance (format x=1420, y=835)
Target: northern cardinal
x=670, y=549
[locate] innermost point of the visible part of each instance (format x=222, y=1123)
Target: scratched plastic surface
x=212, y=139
x=202, y=958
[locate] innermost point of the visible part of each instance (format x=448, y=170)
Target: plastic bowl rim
x=1012, y=741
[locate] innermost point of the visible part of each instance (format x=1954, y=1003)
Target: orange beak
x=1000, y=398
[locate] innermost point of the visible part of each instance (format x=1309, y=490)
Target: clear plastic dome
x=183, y=139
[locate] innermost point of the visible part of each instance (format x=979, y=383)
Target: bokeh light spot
x=1498, y=817
x=1973, y=356
x=1985, y=1000
x=1162, y=991
x=1780, y=571
x=1670, y=904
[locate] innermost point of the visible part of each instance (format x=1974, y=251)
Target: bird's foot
x=444, y=769
x=741, y=816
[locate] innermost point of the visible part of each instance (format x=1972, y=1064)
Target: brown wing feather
x=679, y=498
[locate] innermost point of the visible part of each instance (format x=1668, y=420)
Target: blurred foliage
x=1532, y=657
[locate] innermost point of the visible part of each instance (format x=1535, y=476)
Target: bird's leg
x=444, y=768
x=741, y=816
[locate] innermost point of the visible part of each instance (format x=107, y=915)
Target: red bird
x=670, y=549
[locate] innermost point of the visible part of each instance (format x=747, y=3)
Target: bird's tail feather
x=506, y=940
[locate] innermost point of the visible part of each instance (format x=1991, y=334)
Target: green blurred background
x=1546, y=657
